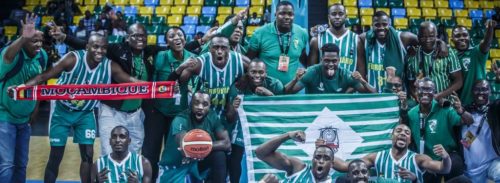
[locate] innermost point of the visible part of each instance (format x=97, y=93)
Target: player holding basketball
x=174, y=166
x=121, y=165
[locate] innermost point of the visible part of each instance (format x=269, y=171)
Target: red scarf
x=122, y=91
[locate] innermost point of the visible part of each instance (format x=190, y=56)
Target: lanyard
x=423, y=119
x=141, y=64
x=481, y=124
x=282, y=49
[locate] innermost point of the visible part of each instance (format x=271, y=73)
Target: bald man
x=445, y=72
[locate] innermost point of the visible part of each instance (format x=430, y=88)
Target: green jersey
x=386, y=166
x=81, y=74
x=348, y=45
x=218, y=81
x=438, y=69
x=272, y=84
x=316, y=82
x=266, y=40
x=227, y=30
x=140, y=72
x=494, y=86
x=183, y=123
x=118, y=172
x=165, y=63
x=18, y=111
x=473, y=63
x=438, y=128
x=303, y=176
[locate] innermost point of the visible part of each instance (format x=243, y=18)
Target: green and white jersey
x=347, y=43
x=81, y=74
x=217, y=81
x=118, y=171
x=386, y=166
x=303, y=176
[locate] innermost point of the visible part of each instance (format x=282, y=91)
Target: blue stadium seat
x=130, y=10
x=476, y=13
x=161, y=40
x=365, y=3
x=398, y=12
x=190, y=20
x=151, y=2
x=118, y=8
x=456, y=4
x=489, y=13
x=203, y=29
x=189, y=29
x=242, y=2
x=209, y=10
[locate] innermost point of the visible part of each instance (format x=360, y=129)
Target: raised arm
x=295, y=85
x=267, y=153
x=65, y=64
x=56, y=33
x=363, y=87
x=485, y=44
x=121, y=76
x=441, y=167
x=313, y=52
x=465, y=117
x=28, y=32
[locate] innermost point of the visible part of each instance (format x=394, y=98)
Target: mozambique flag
x=356, y=124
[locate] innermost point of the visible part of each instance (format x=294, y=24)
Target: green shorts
x=62, y=120
x=170, y=174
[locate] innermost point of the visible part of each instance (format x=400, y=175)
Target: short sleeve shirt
x=315, y=82
x=473, y=63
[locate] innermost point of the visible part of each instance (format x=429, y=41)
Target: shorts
x=62, y=120
x=180, y=174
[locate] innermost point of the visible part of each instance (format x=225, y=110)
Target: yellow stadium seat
x=238, y=9
x=46, y=19
x=32, y=2
x=497, y=33
x=174, y=20
x=52, y=81
x=366, y=11
x=194, y=10
x=471, y=4
x=413, y=12
x=427, y=4
x=386, y=10
x=257, y=9
x=352, y=11
x=146, y=10
x=366, y=20
x=464, y=22
x=196, y=2
x=10, y=30
x=250, y=30
x=497, y=3
x=224, y=10
x=76, y=19
x=178, y=10
x=90, y=2
x=221, y=18
x=330, y=2
x=449, y=32
x=495, y=53
x=162, y=10
x=411, y=3
x=442, y=12
x=85, y=8
x=78, y=2
x=151, y=39
x=350, y=3
x=103, y=2
x=28, y=8
x=121, y=2
x=257, y=3
x=137, y=2
x=488, y=64
x=166, y=2
x=429, y=12
x=44, y=2
x=487, y=4
x=441, y=4
x=181, y=2
x=461, y=13
x=401, y=22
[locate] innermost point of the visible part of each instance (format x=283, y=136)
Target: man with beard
x=472, y=59
x=328, y=77
x=233, y=29
x=338, y=34
x=174, y=165
x=399, y=163
x=157, y=123
x=27, y=55
x=257, y=82
x=121, y=165
x=357, y=172
x=296, y=170
x=432, y=124
x=136, y=59
x=280, y=44
x=80, y=67
x=444, y=72
x=480, y=140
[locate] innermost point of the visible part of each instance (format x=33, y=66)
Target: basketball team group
x=449, y=107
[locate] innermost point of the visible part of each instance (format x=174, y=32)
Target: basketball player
x=399, y=162
x=79, y=67
x=121, y=165
x=175, y=166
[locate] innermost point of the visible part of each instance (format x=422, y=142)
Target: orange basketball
x=197, y=144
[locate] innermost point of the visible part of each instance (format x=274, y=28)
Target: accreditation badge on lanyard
x=284, y=59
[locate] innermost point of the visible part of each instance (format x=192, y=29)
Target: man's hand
x=442, y=49
x=491, y=24
x=263, y=91
x=241, y=16
x=269, y=178
x=406, y=174
x=357, y=76
x=403, y=100
x=56, y=32
x=186, y=159
x=297, y=136
x=440, y=151
x=189, y=63
x=102, y=176
x=456, y=103
x=11, y=90
x=28, y=26
x=299, y=74
x=236, y=102
x=132, y=176
x=320, y=142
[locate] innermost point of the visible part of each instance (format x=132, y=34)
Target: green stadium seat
x=129, y=19
x=40, y=10
x=414, y=30
x=227, y=2
x=211, y=2
x=380, y=3
x=143, y=20
x=154, y=29
x=352, y=21
x=434, y=20
x=396, y=4
x=207, y=20
x=158, y=20
x=495, y=44
x=115, y=39
x=449, y=22
x=415, y=22
x=98, y=9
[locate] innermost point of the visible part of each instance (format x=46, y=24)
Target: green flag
x=356, y=124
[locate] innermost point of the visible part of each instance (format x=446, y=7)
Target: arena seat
x=449, y=22
x=135, y=2
x=224, y=10
x=472, y=4
x=10, y=30
x=380, y=3
x=487, y=4
x=178, y=10
x=445, y=12
x=143, y=20
x=461, y=13
x=441, y=4
x=196, y=2
x=158, y=20
x=257, y=9
x=398, y=12
x=227, y=2
x=350, y=3
x=166, y=2
x=495, y=53
x=396, y=4
x=401, y=22
x=331, y=2
x=250, y=30
x=414, y=12
x=146, y=10
x=207, y=20
x=352, y=11
x=190, y=20
x=181, y=2
x=238, y=9
x=257, y=2
x=120, y=2
x=476, y=13
x=152, y=39
x=386, y=10
x=366, y=20
x=352, y=21
x=366, y=11
x=189, y=29
x=464, y=22
x=193, y=10
x=242, y=2
x=429, y=12
x=411, y=3
x=202, y=28
x=130, y=10
x=489, y=13
x=208, y=10
x=32, y=2
x=151, y=2
x=456, y=4
x=221, y=18
x=174, y=20
x=211, y=2
x=365, y=3
x=162, y=10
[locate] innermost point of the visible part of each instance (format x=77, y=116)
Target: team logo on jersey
x=466, y=63
x=330, y=135
x=433, y=125
x=296, y=43
x=321, y=87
